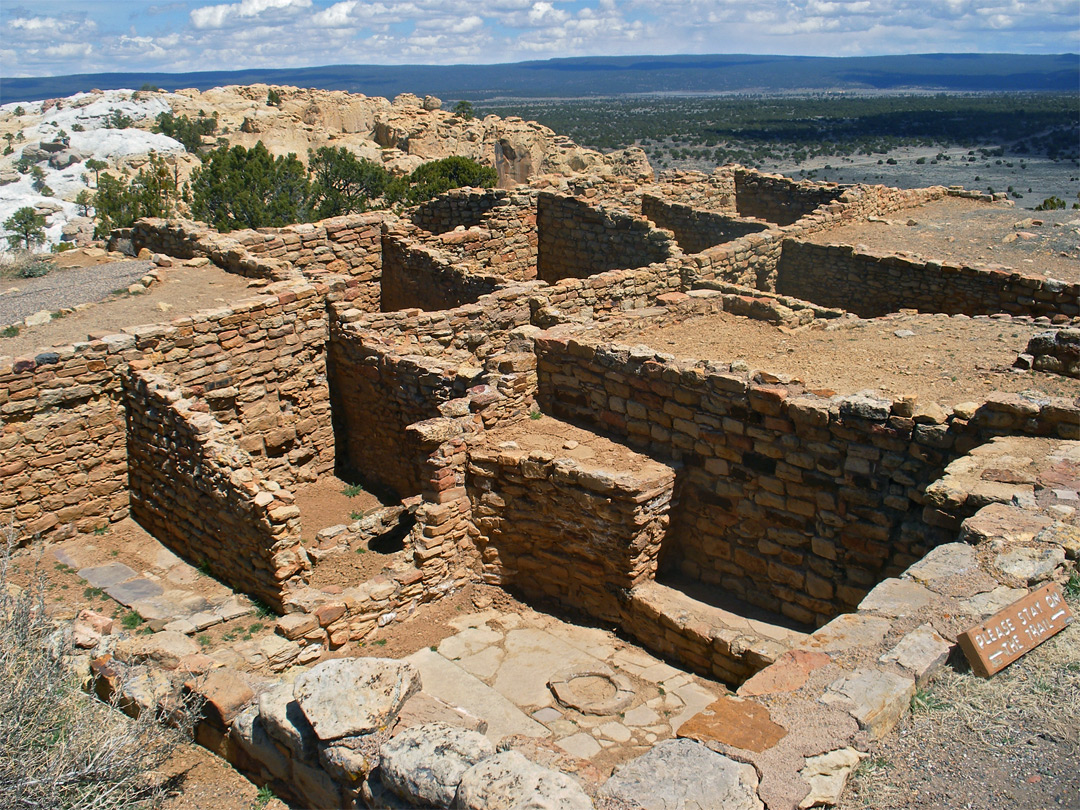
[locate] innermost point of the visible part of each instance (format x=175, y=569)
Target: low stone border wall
x=871, y=285
x=1056, y=352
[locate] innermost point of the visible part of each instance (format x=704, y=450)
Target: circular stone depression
x=592, y=691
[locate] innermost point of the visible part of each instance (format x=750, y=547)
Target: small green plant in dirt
x=262, y=610
x=534, y=415
x=926, y=701
x=94, y=593
x=1072, y=587
x=256, y=627
x=204, y=640
x=379, y=642
x=131, y=620
x=356, y=515
x=204, y=567
x=100, y=531
x=263, y=798
x=9, y=331
x=361, y=550
x=352, y=490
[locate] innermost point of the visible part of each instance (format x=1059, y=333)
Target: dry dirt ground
x=184, y=291
x=1045, y=243
x=938, y=358
x=1011, y=741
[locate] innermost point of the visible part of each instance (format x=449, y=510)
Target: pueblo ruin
x=530, y=379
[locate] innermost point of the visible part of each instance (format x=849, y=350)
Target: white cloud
x=221, y=15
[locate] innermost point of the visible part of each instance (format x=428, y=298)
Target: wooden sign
x=992, y=645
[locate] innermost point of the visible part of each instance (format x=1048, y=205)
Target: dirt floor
x=961, y=231
x=184, y=291
x=1011, y=741
x=944, y=359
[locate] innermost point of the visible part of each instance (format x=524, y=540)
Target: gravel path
x=63, y=289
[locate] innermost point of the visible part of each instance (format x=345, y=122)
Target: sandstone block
x=508, y=781
x=425, y=764
x=684, y=774
x=345, y=697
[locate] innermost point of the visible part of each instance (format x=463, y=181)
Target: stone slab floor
x=498, y=667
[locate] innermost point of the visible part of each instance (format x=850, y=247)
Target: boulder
x=346, y=697
x=684, y=775
x=283, y=720
x=424, y=764
x=69, y=157
x=508, y=781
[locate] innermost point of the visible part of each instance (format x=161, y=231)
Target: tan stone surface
x=734, y=722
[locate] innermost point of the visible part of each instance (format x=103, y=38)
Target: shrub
x=151, y=193
x=434, y=178
x=273, y=97
x=60, y=748
x=190, y=133
x=249, y=188
x=341, y=183
x=1051, y=204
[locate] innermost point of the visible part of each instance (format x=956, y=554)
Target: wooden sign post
x=992, y=645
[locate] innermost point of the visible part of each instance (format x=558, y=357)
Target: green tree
x=273, y=97
x=26, y=229
x=341, y=183
x=190, y=133
x=434, y=178
x=119, y=120
x=38, y=183
x=85, y=200
x=95, y=165
x=151, y=193
x=249, y=188
x=464, y=109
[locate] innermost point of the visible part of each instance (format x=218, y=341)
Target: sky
x=56, y=37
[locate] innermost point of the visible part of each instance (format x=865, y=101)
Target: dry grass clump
x=995, y=720
x=59, y=747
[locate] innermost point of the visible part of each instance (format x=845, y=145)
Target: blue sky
x=52, y=37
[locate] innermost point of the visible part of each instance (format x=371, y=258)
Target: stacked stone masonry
x=870, y=285
x=577, y=240
x=198, y=493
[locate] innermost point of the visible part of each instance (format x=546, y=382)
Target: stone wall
x=391, y=370
x=577, y=240
x=778, y=199
x=198, y=493
x=349, y=245
x=261, y=365
x=790, y=501
x=568, y=532
x=696, y=230
x=417, y=275
x=872, y=285
x=63, y=459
